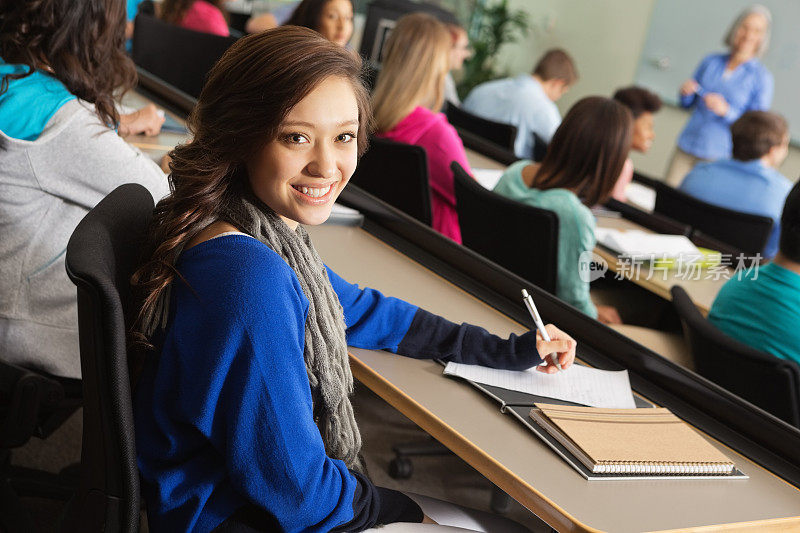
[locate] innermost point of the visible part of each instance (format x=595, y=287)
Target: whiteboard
x=682, y=32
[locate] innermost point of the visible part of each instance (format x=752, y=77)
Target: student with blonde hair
x=407, y=97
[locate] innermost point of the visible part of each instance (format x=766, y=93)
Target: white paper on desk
x=579, y=384
x=640, y=243
x=488, y=177
x=641, y=196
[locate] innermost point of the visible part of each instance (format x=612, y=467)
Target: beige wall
x=605, y=37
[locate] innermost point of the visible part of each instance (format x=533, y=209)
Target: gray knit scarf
x=325, y=351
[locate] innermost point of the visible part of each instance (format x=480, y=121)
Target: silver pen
x=539, y=324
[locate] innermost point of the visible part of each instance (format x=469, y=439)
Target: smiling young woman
x=242, y=409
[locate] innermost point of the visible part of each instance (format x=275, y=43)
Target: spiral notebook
x=631, y=441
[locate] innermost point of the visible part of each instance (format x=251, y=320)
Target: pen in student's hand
x=539, y=324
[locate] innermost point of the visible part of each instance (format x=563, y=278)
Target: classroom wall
x=605, y=37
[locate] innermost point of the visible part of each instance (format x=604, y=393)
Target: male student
x=762, y=309
x=749, y=182
x=527, y=101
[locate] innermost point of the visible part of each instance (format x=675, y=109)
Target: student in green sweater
x=761, y=308
x=581, y=167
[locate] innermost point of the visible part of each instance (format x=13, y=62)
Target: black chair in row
x=503, y=135
x=539, y=148
x=101, y=255
x=397, y=173
x=760, y=378
x=32, y=404
x=518, y=237
x=179, y=56
x=742, y=231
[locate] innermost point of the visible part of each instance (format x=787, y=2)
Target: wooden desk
x=507, y=453
x=702, y=291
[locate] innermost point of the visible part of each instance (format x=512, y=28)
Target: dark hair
x=307, y=14
x=639, y=100
x=588, y=150
x=173, y=11
x=80, y=42
x=248, y=94
x=789, y=245
x=556, y=64
x=756, y=132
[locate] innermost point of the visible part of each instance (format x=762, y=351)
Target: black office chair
x=528, y=242
x=645, y=180
x=503, y=135
x=760, y=378
x=539, y=148
x=397, y=173
x=179, y=56
x=32, y=404
x=653, y=221
x=742, y=231
x=101, y=255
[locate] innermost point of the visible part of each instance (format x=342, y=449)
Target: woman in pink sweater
x=407, y=97
x=198, y=15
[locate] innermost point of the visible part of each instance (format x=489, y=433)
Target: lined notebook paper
x=580, y=384
x=631, y=441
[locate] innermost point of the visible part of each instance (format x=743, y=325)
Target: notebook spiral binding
x=663, y=468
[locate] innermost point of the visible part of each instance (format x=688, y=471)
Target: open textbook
x=637, y=243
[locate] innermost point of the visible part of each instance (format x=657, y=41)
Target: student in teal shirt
x=581, y=167
x=762, y=309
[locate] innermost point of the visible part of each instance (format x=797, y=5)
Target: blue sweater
x=748, y=88
x=225, y=416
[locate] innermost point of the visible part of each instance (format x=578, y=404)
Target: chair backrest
x=518, y=237
x=101, y=255
x=652, y=221
x=744, y=232
x=397, y=173
x=179, y=56
x=760, y=378
x=539, y=148
x=503, y=135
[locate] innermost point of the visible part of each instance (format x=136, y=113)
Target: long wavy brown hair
x=173, y=11
x=248, y=94
x=588, y=150
x=80, y=42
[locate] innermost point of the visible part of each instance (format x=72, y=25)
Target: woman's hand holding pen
x=561, y=344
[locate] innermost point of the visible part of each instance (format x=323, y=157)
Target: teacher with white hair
x=723, y=87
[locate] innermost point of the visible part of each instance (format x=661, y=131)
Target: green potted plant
x=493, y=25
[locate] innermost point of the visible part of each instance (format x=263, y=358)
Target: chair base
x=18, y=482
x=401, y=466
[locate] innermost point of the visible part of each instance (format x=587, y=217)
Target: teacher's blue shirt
x=762, y=310
x=746, y=186
x=749, y=87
